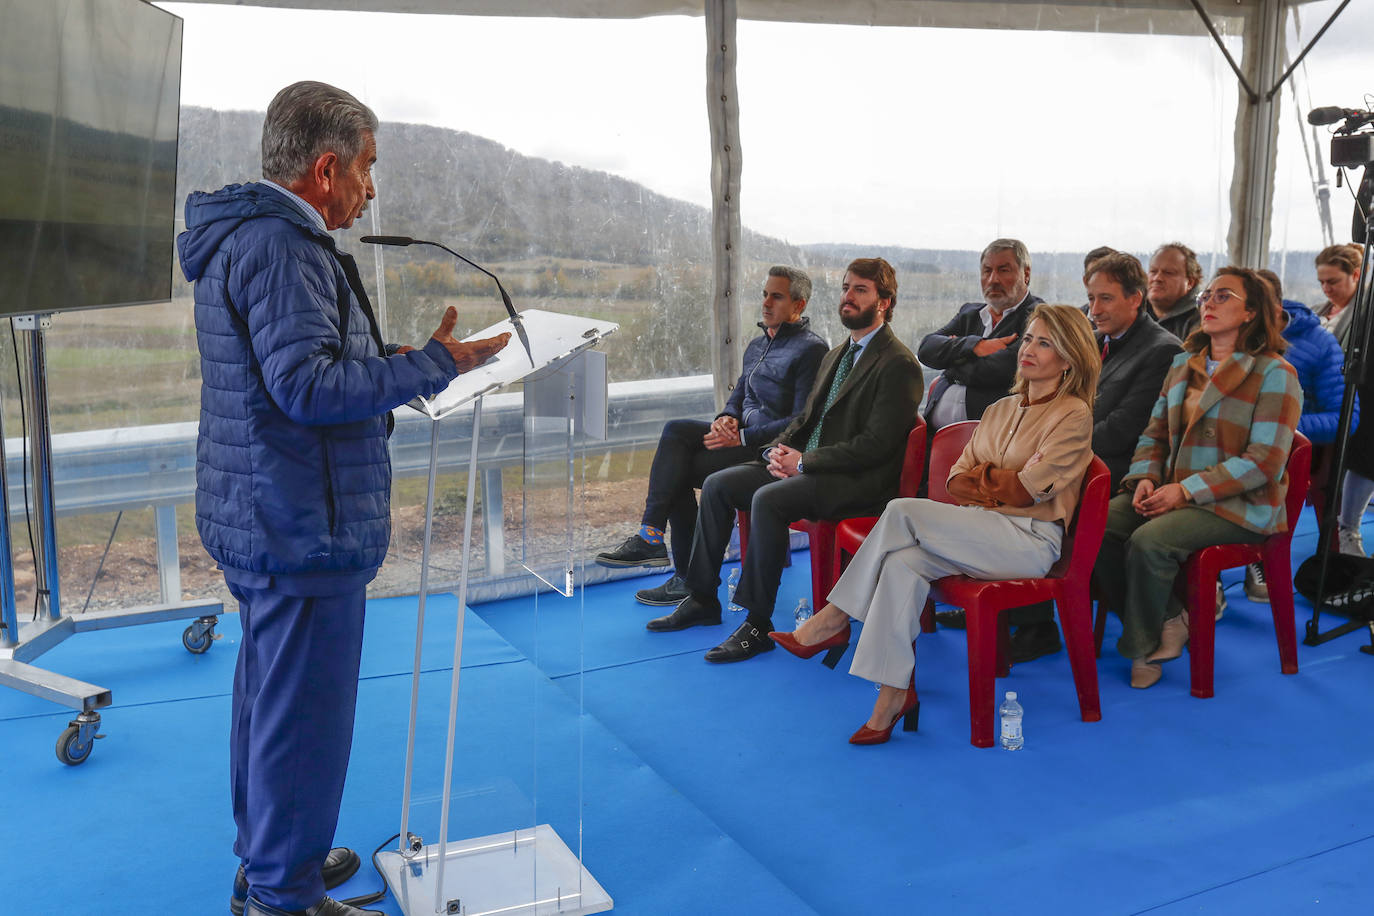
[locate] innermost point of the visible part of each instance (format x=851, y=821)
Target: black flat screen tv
x=89, y=98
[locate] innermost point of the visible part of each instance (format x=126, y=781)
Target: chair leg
x=742, y=521
x=1003, y=646
x=1075, y=611
x=1200, y=600
x=982, y=680
x=1278, y=573
x=822, y=538
x=928, y=617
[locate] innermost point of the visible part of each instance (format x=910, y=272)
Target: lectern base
x=527, y=872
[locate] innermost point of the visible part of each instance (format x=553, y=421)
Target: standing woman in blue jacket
x=293, y=479
x=1316, y=355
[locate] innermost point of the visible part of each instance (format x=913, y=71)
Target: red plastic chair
x=945, y=449
x=1066, y=583
x=821, y=532
x=1274, y=552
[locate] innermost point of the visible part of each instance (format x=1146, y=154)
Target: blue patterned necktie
x=842, y=373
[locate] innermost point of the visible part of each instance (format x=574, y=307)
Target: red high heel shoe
x=836, y=644
x=910, y=714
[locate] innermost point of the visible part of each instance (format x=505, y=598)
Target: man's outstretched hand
x=467, y=355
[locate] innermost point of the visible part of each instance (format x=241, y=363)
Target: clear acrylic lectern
x=523, y=868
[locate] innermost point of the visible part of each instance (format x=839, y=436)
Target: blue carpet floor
x=731, y=789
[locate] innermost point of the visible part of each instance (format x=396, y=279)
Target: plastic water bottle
x=803, y=612
x=731, y=584
x=1011, y=722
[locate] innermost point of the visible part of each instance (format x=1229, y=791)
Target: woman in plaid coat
x=1208, y=469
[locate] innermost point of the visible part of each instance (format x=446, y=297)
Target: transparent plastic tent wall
x=574, y=158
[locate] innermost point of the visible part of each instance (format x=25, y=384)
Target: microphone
x=398, y=240
x=402, y=241
x=1330, y=114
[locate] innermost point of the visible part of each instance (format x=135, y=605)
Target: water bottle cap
x=1011, y=694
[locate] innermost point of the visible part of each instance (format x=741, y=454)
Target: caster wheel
x=197, y=645
x=70, y=749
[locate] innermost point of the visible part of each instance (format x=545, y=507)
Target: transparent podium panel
x=564, y=406
x=492, y=796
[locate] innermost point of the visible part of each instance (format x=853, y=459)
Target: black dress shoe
x=326, y=907
x=340, y=865
x=745, y=642
x=1033, y=640
x=691, y=611
x=953, y=620
x=634, y=552
x=666, y=595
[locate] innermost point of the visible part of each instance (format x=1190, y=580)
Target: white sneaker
x=1256, y=589
x=1350, y=541
x=1221, y=602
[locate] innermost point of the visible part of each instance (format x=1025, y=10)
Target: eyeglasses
x=1222, y=296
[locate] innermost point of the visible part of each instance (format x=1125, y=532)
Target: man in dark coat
x=293, y=478
x=841, y=457
x=779, y=370
x=1172, y=292
x=977, y=348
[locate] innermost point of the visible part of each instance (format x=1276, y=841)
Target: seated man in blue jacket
x=293, y=478
x=779, y=369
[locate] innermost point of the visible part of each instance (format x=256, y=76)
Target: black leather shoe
x=326, y=907
x=953, y=620
x=744, y=643
x=1033, y=640
x=634, y=552
x=340, y=865
x=691, y=611
x=666, y=595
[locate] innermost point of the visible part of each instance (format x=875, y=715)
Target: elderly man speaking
x=293, y=479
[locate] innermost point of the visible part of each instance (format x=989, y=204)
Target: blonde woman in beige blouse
x=1016, y=485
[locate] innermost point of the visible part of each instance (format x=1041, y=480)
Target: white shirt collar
x=985, y=313
x=300, y=203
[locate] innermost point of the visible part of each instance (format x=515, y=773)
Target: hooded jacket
x=293, y=478
x=777, y=378
x=1317, y=356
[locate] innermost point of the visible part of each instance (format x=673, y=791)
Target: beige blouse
x=1051, y=444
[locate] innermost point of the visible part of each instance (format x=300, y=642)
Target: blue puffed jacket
x=778, y=374
x=293, y=478
x=1317, y=355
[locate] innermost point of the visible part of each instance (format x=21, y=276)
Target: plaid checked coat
x=1231, y=457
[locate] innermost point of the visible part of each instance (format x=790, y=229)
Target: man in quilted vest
x=293, y=478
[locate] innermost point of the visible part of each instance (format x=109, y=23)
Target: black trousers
x=773, y=504
x=680, y=465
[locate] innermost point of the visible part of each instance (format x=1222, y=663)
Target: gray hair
x=798, y=283
x=1015, y=246
x=307, y=120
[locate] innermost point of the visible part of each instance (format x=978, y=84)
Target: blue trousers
x=295, y=692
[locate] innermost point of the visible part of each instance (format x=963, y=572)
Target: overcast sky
x=919, y=137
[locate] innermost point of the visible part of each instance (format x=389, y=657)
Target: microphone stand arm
x=505, y=296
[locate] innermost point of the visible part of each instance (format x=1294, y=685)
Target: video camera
x=1352, y=146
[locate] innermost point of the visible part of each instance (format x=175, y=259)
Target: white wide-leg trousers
x=915, y=542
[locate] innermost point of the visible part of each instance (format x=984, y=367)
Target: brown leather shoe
x=1144, y=674
x=1171, y=641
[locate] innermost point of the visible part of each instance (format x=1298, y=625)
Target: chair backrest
x=945, y=449
x=913, y=462
x=1083, y=538
x=1299, y=476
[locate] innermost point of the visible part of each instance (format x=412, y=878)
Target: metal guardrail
x=139, y=467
